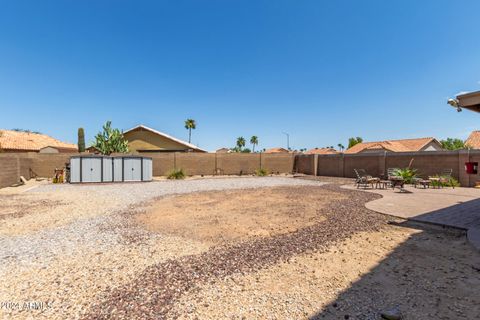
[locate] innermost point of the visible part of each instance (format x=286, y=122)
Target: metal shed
x=98, y=168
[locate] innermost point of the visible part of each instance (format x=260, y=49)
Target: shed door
x=75, y=170
x=91, y=169
x=132, y=169
x=86, y=169
x=117, y=169
x=127, y=169
x=107, y=170
x=147, y=169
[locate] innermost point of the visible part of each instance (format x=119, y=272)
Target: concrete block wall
x=238, y=163
x=9, y=173
x=196, y=163
x=305, y=163
x=162, y=162
x=426, y=163
x=44, y=165
x=12, y=166
x=277, y=163
x=15, y=165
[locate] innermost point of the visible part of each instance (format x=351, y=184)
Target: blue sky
x=322, y=71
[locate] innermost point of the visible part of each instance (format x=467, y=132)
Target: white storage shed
x=98, y=168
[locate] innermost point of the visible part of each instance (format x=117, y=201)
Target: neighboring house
x=276, y=150
x=19, y=141
x=144, y=139
x=223, y=150
x=405, y=145
x=322, y=151
x=473, y=141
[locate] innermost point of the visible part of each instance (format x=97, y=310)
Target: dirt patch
x=215, y=217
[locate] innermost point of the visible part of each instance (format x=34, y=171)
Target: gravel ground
x=53, y=236
x=152, y=294
x=78, y=252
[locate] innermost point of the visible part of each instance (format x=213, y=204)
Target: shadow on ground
x=435, y=274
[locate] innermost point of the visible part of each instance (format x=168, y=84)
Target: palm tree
x=189, y=125
x=254, y=142
x=240, y=143
x=340, y=146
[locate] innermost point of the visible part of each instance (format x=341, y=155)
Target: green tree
x=453, y=144
x=340, y=147
x=81, y=140
x=353, y=141
x=254, y=142
x=190, y=125
x=110, y=140
x=240, y=143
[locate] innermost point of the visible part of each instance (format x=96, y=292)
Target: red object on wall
x=471, y=167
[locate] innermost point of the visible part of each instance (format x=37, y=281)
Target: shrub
x=110, y=140
x=445, y=181
x=176, y=174
x=407, y=174
x=261, y=172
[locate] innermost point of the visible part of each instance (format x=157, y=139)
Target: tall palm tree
x=241, y=142
x=254, y=142
x=189, y=125
x=340, y=146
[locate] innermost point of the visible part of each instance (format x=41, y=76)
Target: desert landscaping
x=235, y=248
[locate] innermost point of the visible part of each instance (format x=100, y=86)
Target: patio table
x=397, y=182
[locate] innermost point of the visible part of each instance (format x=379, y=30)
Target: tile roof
x=28, y=141
x=322, y=151
x=473, y=140
x=276, y=150
x=404, y=145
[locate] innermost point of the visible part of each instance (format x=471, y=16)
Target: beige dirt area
x=215, y=217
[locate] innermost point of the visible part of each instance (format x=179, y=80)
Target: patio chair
x=445, y=177
x=425, y=183
x=363, y=179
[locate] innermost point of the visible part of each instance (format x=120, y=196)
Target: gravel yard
x=224, y=248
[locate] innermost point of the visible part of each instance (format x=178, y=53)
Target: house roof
x=29, y=141
x=189, y=145
x=276, y=150
x=404, y=145
x=473, y=140
x=322, y=151
x=469, y=100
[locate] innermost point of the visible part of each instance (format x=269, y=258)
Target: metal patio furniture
x=365, y=180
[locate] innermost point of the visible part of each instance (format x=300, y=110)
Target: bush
x=445, y=181
x=407, y=174
x=176, y=174
x=261, y=172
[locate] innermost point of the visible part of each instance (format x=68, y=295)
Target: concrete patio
x=457, y=208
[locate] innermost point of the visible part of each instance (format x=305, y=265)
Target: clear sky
x=322, y=71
